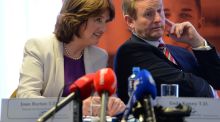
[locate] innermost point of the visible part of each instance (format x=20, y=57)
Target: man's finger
x=169, y=23
x=170, y=26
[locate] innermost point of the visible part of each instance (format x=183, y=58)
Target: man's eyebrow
x=186, y=9
x=166, y=9
x=149, y=9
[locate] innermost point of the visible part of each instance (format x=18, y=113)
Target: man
x=146, y=20
x=183, y=10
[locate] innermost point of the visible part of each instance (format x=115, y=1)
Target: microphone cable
x=57, y=101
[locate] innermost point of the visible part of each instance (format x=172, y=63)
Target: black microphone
x=80, y=90
x=105, y=85
x=142, y=95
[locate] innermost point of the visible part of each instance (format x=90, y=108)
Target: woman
x=57, y=60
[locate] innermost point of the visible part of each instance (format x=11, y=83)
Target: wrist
x=199, y=42
x=205, y=46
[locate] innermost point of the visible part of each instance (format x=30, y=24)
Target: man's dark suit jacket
x=192, y=74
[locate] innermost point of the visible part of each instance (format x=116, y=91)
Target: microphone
x=84, y=85
x=105, y=84
x=81, y=88
x=145, y=88
x=148, y=89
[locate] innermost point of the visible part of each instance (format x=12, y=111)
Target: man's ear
x=130, y=21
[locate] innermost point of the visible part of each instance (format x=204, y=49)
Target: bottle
x=133, y=80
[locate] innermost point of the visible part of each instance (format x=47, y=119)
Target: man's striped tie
x=166, y=52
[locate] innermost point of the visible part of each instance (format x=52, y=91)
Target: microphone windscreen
x=84, y=84
x=146, y=86
x=105, y=80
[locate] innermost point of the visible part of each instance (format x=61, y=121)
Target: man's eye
x=149, y=14
x=167, y=15
x=185, y=16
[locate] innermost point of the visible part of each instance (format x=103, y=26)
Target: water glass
x=95, y=106
x=169, y=90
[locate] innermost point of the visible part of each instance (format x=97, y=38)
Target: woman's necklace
x=68, y=54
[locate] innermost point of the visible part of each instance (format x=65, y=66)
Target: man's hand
x=185, y=32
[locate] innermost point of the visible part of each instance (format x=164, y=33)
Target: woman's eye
x=99, y=20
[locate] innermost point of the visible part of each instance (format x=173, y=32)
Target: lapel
x=185, y=59
x=88, y=60
x=157, y=52
x=59, y=70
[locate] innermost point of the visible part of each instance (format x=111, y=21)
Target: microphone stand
x=144, y=111
x=72, y=96
x=104, y=101
x=149, y=115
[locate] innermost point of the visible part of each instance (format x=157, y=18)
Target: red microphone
x=105, y=80
x=84, y=84
x=105, y=84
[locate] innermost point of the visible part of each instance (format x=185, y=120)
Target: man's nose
x=158, y=17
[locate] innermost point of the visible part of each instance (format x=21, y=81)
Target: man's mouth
x=157, y=28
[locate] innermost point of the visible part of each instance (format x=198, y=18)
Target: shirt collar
x=153, y=43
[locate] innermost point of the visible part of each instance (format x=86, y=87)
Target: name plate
x=29, y=110
x=203, y=109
